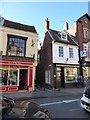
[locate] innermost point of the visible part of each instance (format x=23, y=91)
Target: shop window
x=8, y=77
x=71, y=74
x=3, y=77
x=12, y=77
x=16, y=46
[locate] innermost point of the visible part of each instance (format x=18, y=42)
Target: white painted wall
x=57, y=59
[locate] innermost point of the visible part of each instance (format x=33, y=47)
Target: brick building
x=58, y=58
x=81, y=30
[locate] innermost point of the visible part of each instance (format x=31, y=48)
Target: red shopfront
x=15, y=75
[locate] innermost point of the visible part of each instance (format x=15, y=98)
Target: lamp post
x=81, y=67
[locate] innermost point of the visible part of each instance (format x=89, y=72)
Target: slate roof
x=87, y=15
x=70, y=38
x=19, y=26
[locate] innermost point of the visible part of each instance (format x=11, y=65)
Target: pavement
x=41, y=93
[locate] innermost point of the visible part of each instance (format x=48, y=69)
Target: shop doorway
x=23, y=79
x=60, y=81
x=62, y=77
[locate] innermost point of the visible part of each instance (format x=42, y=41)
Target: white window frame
x=71, y=55
x=47, y=76
x=62, y=36
x=60, y=51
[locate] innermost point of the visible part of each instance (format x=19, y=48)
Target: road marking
x=68, y=101
x=63, y=101
x=75, y=109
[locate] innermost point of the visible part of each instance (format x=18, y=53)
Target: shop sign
x=83, y=53
x=16, y=62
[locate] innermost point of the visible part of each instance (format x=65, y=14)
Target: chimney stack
x=65, y=27
x=46, y=25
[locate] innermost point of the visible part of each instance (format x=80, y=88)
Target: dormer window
x=62, y=36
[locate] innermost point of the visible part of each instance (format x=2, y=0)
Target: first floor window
x=16, y=46
x=60, y=51
x=70, y=52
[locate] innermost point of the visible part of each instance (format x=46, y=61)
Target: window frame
x=60, y=36
x=60, y=51
x=86, y=33
x=19, y=37
x=8, y=80
x=71, y=53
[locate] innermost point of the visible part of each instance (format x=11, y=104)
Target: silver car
x=85, y=100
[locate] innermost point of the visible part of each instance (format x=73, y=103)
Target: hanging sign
x=83, y=53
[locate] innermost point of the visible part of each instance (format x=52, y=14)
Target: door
x=58, y=78
x=62, y=77
x=60, y=81
x=23, y=79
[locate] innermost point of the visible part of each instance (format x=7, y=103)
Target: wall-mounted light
x=1, y=52
x=67, y=59
x=32, y=43
x=49, y=65
x=33, y=55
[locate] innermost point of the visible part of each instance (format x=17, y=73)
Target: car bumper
x=85, y=105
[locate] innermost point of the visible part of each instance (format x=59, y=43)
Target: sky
x=35, y=13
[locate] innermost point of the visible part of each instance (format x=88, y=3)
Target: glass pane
x=16, y=46
x=4, y=75
x=12, y=78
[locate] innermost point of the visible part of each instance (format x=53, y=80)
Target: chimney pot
x=46, y=24
x=65, y=27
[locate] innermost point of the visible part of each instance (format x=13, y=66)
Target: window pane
x=60, y=51
x=4, y=77
x=12, y=77
x=16, y=46
x=8, y=77
x=71, y=52
x=63, y=36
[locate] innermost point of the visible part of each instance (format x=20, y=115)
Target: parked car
x=85, y=100
x=23, y=109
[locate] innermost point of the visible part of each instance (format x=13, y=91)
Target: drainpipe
x=54, y=75
x=81, y=67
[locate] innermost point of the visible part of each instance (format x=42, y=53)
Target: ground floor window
x=71, y=74
x=47, y=77
x=8, y=77
x=86, y=72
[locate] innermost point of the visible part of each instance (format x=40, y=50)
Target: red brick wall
x=79, y=34
x=45, y=58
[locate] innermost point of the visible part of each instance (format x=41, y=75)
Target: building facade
x=18, y=56
x=81, y=29
x=58, y=58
